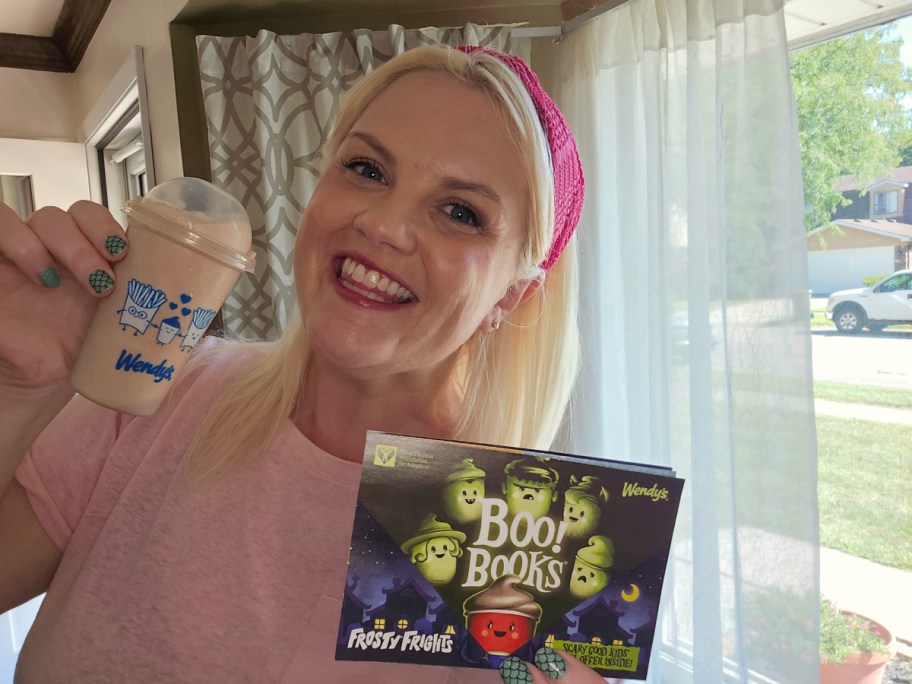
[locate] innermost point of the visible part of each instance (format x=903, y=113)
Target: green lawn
x=865, y=489
x=863, y=394
x=820, y=320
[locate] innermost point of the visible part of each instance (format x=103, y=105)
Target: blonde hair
x=516, y=382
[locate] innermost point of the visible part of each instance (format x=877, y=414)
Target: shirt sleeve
x=61, y=469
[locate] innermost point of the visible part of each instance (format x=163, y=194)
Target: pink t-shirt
x=238, y=581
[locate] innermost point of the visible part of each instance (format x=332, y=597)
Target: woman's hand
x=550, y=665
x=53, y=269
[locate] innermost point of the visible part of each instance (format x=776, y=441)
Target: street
x=883, y=359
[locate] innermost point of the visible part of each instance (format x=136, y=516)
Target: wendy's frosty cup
x=189, y=242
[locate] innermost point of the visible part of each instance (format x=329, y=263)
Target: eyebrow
x=449, y=182
x=372, y=142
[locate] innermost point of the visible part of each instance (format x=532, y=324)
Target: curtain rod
x=536, y=32
x=566, y=26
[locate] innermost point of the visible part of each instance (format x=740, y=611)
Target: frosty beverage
x=189, y=242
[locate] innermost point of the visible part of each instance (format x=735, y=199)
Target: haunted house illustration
x=409, y=604
x=595, y=621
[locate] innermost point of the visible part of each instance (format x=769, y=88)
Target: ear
x=515, y=295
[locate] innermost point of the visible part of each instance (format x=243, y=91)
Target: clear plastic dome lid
x=198, y=215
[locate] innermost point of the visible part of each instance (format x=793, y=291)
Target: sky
x=903, y=29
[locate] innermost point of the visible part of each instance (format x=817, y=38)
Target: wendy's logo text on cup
x=134, y=363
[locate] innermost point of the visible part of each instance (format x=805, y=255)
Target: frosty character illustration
x=502, y=618
x=200, y=322
x=434, y=550
x=581, y=505
x=531, y=487
x=168, y=329
x=590, y=568
x=464, y=490
x=140, y=306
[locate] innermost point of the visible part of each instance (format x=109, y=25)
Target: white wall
x=58, y=169
x=38, y=105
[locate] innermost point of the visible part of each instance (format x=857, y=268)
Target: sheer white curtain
x=695, y=310
x=269, y=102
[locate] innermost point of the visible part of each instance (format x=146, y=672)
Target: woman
x=208, y=542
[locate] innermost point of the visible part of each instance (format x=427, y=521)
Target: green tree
x=850, y=115
x=905, y=148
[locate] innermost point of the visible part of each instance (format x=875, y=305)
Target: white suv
x=887, y=303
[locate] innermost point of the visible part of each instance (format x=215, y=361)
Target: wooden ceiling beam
x=31, y=52
x=76, y=25
x=62, y=52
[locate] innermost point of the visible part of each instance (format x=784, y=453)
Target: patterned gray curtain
x=269, y=102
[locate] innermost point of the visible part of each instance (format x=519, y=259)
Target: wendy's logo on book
x=464, y=554
x=385, y=456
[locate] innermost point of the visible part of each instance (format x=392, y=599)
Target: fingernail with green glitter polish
x=551, y=663
x=101, y=281
x=115, y=244
x=49, y=277
x=515, y=671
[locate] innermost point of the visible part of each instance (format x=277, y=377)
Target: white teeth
x=358, y=274
x=377, y=283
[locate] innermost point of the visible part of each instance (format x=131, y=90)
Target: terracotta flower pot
x=859, y=668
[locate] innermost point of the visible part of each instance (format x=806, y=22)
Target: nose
x=392, y=221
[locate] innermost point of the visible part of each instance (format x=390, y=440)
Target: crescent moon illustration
x=632, y=595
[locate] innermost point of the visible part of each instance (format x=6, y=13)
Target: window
x=118, y=140
x=122, y=161
x=380, y=624
x=886, y=202
x=900, y=282
x=402, y=624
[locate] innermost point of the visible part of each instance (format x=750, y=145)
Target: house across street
x=871, y=236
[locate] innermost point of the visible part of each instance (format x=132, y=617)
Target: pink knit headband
x=565, y=161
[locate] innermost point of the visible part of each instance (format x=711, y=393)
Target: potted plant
x=853, y=649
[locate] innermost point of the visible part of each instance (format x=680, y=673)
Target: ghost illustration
x=434, y=549
x=200, y=323
x=582, y=505
x=464, y=492
x=140, y=306
x=592, y=567
x=168, y=329
x=530, y=486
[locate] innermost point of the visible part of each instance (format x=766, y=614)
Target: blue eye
x=365, y=168
x=460, y=213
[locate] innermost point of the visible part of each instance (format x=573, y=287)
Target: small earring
x=495, y=326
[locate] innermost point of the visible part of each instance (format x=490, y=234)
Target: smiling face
x=462, y=499
x=581, y=514
x=500, y=633
x=411, y=239
x=436, y=559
